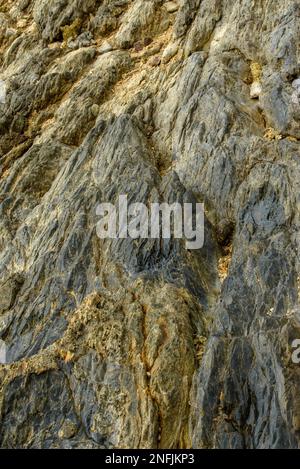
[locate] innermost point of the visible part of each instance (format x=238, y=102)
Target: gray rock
x=51, y=15
x=141, y=343
x=105, y=47
x=83, y=40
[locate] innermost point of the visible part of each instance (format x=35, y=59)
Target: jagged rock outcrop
x=142, y=343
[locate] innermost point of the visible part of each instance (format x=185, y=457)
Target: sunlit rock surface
x=137, y=343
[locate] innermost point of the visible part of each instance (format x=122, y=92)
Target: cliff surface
x=141, y=343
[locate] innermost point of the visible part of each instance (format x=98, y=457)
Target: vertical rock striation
x=141, y=343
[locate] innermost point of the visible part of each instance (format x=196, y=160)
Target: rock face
x=141, y=343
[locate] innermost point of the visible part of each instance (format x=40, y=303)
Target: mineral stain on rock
x=137, y=343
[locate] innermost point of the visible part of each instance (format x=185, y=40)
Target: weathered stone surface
x=169, y=53
x=171, y=7
x=52, y=15
x=146, y=343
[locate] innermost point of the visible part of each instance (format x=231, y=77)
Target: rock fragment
x=171, y=7
x=105, y=47
x=154, y=61
x=170, y=51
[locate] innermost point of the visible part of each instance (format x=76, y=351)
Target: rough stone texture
x=145, y=343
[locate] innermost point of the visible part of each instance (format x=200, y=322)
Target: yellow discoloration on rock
x=71, y=31
x=272, y=134
x=256, y=71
